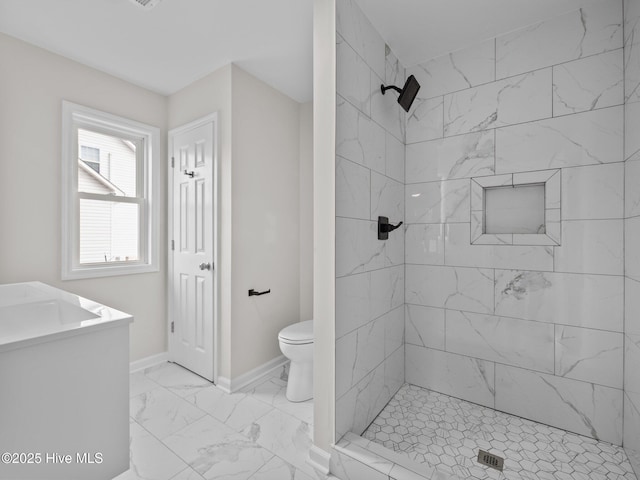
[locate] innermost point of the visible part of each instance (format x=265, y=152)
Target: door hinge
x=172, y=327
x=173, y=162
x=173, y=244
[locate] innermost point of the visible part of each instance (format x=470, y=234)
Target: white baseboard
x=235, y=384
x=319, y=459
x=147, y=362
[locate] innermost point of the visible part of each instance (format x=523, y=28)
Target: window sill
x=108, y=271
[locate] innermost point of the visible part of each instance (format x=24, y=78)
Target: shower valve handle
x=388, y=227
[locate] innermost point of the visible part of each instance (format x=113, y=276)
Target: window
x=110, y=187
x=90, y=156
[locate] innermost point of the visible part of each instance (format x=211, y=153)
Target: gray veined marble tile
x=457, y=70
x=437, y=202
x=188, y=474
x=357, y=30
x=424, y=326
x=632, y=432
x=353, y=302
x=290, y=437
x=358, y=353
x=140, y=383
x=216, y=451
x=353, y=77
x=632, y=71
x=631, y=126
x=353, y=190
x=463, y=377
x=358, y=138
x=579, y=407
x=632, y=306
x=591, y=355
x=588, y=83
x=513, y=100
x=460, y=252
x=350, y=469
x=631, y=22
x=236, y=410
x=395, y=158
x=588, y=138
x=175, y=378
x=278, y=469
x=385, y=109
x=632, y=362
x=469, y=289
x=590, y=246
x=162, y=412
x=387, y=290
x=632, y=248
x=505, y=340
x=393, y=330
x=594, y=29
x=149, y=458
x=462, y=156
x=387, y=198
x=632, y=189
x=424, y=244
x=425, y=119
x=394, y=374
x=359, y=406
x=357, y=247
x=394, y=70
x=594, y=192
x=590, y=301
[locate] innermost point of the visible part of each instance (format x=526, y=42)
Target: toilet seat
x=300, y=333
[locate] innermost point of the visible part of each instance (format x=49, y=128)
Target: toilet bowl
x=296, y=343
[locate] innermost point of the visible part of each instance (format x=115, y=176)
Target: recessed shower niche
x=516, y=209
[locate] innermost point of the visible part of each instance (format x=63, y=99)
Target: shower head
x=407, y=94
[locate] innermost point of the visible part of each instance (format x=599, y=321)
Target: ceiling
x=177, y=42
x=180, y=41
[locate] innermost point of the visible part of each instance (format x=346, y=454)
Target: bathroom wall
x=260, y=155
x=267, y=139
x=32, y=86
x=369, y=180
x=265, y=218
x=632, y=232
x=533, y=330
x=306, y=210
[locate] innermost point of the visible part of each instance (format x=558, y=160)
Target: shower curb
x=353, y=455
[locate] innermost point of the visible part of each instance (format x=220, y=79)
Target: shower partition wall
x=632, y=232
x=369, y=183
x=537, y=331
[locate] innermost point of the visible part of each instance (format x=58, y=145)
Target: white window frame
x=76, y=116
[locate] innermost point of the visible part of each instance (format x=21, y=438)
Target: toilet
x=296, y=343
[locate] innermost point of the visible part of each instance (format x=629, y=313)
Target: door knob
x=205, y=266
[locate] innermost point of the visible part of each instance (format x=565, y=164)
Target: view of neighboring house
x=108, y=227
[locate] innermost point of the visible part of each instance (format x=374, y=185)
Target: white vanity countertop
x=34, y=312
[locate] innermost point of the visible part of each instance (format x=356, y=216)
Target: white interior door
x=192, y=270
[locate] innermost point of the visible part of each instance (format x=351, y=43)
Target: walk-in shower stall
x=496, y=333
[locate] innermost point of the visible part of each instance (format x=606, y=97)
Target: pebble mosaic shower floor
x=446, y=432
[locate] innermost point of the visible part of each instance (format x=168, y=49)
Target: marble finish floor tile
x=184, y=428
x=446, y=432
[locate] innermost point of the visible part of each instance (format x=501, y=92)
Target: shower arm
x=384, y=89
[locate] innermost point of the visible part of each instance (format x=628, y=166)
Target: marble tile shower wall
x=536, y=331
x=370, y=134
x=632, y=232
